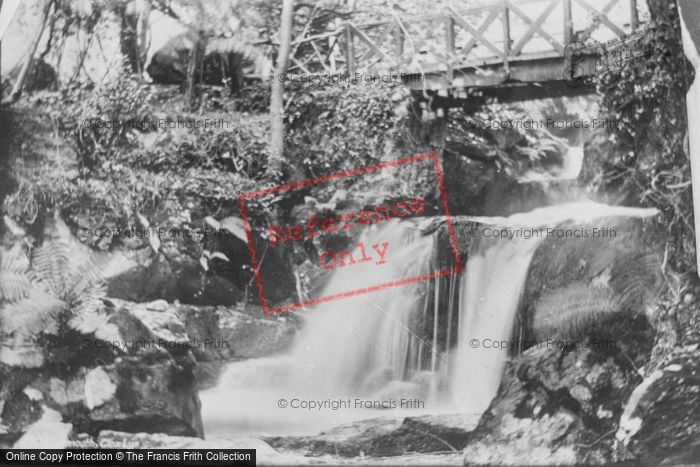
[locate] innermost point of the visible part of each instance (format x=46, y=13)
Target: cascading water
x=369, y=346
x=350, y=348
x=491, y=288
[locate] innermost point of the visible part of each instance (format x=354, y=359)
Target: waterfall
x=356, y=347
x=491, y=288
x=396, y=342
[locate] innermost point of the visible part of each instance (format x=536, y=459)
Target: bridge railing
x=498, y=33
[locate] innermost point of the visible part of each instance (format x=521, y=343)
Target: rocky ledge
x=383, y=437
x=144, y=378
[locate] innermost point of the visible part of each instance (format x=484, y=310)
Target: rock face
x=384, y=437
x=265, y=455
x=145, y=379
x=588, y=338
x=225, y=335
x=151, y=392
x=560, y=400
x=661, y=420
x=211, y=336
x=175, y=273
x=149, y=396
x=49, y=432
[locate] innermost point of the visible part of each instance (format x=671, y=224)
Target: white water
x=365, y=347
x=571, y=166
x=348, y=348
x=491, y=289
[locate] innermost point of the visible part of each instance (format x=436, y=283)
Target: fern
x=636, y=280
x=570, y=311
x=38, y=313
x=53, y=288
x=13, y=286
x=50, y=267
x=15, y=282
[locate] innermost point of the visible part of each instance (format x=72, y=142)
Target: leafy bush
x=122, y=103
x=646, y=161
x=337, y=127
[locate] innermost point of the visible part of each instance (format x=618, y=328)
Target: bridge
x=508, y=49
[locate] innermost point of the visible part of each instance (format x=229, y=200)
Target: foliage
x=645, y=98
x=50, y=293
x=108, y=117
x=337, y=127
x=570, y=311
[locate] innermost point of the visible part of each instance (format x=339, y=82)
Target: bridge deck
x=502, y=44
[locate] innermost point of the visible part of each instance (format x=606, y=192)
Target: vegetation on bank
x=643, y=158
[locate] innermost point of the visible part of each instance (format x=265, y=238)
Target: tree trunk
x=128, y=40
x=277, y=90
x=17, y=88
x=193, y=65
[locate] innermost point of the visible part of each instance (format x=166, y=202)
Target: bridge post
x=568, y=23
x=634, y=15
x=399, y=45
x=349, y=50
x=506, y=38
x=450, y=40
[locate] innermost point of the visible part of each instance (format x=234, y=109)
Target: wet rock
x=48, y=432
x=661, y=421
x=99, y=388
x=382, y=437
x=561, y=401
x=159, y=397
x=18, y=409
x=213, y=336
x=576, y=281
x=524, y=441
x=265, y=455
x=255, y=335
x=182, y=279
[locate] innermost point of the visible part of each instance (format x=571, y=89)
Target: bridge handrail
x=343, y=50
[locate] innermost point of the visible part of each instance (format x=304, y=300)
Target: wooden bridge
x=507, y=49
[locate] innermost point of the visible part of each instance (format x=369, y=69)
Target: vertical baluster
x=349, y=50
x=506, y=37
x=450, y=41
x=400, y=38
x=568, y=23
x=634, y=15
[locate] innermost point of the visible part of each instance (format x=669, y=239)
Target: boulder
x=48, y=432
x=19, y=408
x=527, y=442
x=383, y=437
x=265, y=455
x=138, y=396
x=212, y=336
x=220, y=67
x=149, y=392
x=561, y=401
x=661, y=421
x=173, y=279
x=574, y=282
